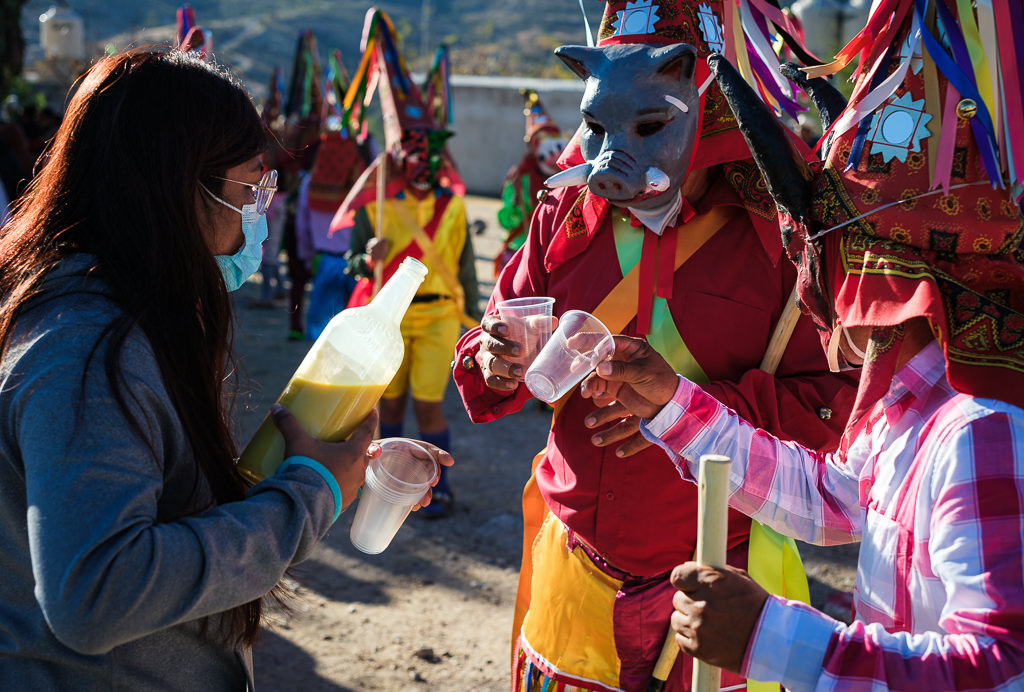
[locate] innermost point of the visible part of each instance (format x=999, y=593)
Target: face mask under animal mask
x=240, y=266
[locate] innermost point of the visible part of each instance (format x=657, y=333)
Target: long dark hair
x=121, y=182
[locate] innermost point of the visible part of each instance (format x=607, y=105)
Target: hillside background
x=488, y=38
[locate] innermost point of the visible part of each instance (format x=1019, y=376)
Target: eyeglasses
x=262, y=192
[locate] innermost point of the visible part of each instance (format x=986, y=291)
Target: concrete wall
x=489, y=123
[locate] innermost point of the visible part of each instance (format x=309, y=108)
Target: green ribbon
x=773, y=560
x=664, y=335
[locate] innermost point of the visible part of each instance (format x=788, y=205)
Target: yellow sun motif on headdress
x=984, y=209
x=900, y=235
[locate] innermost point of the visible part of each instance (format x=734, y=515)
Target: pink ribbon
x=1010, y=69
x=947, y=140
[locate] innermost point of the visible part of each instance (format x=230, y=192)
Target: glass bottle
x=344, y=374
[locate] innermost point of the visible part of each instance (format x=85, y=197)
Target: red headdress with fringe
x=382, y=69
x=917, y=209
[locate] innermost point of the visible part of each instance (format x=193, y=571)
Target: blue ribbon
x=857, y=147
x=963, y=83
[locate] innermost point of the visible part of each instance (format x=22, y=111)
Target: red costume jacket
x=637, y=512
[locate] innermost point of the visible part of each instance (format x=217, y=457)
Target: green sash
x=773, y=560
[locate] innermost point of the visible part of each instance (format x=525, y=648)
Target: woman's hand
x=441, y=457
x=345, y=460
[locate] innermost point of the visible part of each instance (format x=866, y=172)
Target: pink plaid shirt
x=934, y=489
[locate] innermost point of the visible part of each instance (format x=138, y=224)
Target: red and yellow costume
x=601, y=533
x=635, y=515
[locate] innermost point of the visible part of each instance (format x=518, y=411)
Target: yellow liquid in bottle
x=328, y=412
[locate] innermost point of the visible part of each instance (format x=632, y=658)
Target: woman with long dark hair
x=133, y=554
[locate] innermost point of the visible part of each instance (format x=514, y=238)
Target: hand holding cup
x=511, y=339
x=345, y=460
x=579, y=343
x=636, y=376
x=396, y=481
x=442, y=458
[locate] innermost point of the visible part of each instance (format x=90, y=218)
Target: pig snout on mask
x=615, y=175
x=655, y=180
x=640, y=109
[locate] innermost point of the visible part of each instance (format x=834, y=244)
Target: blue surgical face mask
x=240, y=266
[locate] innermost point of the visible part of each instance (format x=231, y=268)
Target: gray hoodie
x=102, y=585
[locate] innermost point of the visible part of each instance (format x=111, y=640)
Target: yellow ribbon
x=932, y=106
x=773, y=561
x=976, y=49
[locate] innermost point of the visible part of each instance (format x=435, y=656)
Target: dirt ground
x=434, y=610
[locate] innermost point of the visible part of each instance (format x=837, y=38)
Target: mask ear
x=580, y=59
x=678, y=62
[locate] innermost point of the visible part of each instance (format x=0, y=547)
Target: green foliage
x=23, y=94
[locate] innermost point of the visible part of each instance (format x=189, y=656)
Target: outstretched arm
x=801, y=401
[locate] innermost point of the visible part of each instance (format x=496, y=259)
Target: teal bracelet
x=332, y=482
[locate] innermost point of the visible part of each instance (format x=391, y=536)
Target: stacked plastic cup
x=395, y=482
x=529, y=323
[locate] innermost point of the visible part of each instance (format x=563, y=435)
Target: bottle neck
x=396, y=295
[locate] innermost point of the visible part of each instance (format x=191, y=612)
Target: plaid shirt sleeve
x=794, y=490
x=969, y=478
x=965, y=497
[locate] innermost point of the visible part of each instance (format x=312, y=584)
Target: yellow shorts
x=430, y=331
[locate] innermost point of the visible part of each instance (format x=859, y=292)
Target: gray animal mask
x=640, y=107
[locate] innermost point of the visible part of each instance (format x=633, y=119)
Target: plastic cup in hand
x=529, y=324
x=395, y=482
x=578, y=344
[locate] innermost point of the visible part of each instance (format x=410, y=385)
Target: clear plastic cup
x=578, y=344
x=395, y=482
x=529, y=323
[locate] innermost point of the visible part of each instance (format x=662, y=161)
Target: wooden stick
x=666, y=659
x=780, y=337
x=712, y=532
x=769, y=363
x=378, y=231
